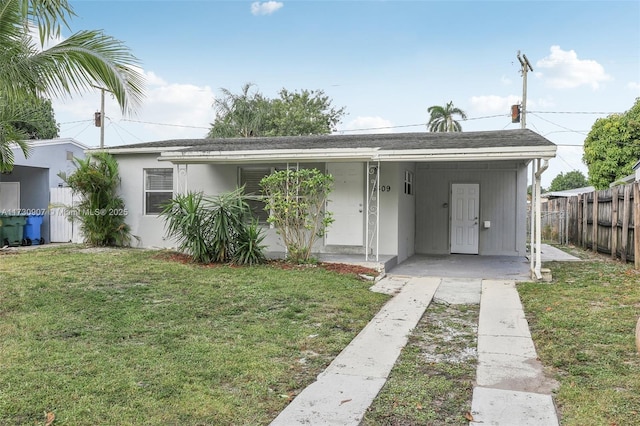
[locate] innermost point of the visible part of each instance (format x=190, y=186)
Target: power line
x=166, y=124
x=373, y=128
x=562, y=127
x=576, y=112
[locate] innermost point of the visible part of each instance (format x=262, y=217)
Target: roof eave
x=361, y=154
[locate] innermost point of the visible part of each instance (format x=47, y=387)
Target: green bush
x=296, y=201
x=214, y=229
x=101, y=210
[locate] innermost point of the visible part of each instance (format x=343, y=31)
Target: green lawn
x=583, y=325
x=129, y=337
x=116, y=337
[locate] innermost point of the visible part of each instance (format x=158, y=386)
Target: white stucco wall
x=406, y=214
x=148, y=228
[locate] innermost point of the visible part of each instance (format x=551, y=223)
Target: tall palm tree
x=83, y=60
x=441, y=119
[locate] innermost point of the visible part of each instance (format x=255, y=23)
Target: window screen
x=158, y=189
x=250, y=178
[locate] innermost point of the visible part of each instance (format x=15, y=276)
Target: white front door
x=346, y=202
x=465, y=198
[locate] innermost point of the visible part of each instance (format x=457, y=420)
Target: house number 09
x=385, y=188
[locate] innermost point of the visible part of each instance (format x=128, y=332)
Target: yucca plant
x=186, y=221
x=250, y=250
x=214, y=229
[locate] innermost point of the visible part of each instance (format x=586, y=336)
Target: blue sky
x=385, y=61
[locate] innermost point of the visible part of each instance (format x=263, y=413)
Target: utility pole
x=102, y=90
x=526, y=66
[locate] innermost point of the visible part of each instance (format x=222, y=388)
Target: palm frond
x=89, y=58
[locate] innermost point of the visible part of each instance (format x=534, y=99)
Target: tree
x=239, y=115
x=441, y=118
x=308, y=112
x=29, y=71
x=571, y=180
x=612, y=147
x=42, y=122
x=296, y=201
x=251, y=114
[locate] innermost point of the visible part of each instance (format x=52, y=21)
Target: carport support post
x=538, y=242
x=373, y=195
x=532, y=219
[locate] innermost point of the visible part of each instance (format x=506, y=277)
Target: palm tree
x=83, y=60
x=441, y=119
x=239, y=115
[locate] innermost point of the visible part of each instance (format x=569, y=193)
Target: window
x=158, y=189
x=408, y=182
x=250, y=177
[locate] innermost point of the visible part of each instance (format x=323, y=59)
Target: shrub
x=296, y=201
x=214, y=229
x=101, y=211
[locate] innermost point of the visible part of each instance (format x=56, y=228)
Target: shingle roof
x=386, y=141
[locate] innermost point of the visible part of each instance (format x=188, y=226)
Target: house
x=395, y=195
x=568, y=192
x=28, y=186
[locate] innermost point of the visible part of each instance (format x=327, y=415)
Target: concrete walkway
x=511, y=387
x=345, y=390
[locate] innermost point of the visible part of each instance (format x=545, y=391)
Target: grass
x=130, y=337
x=583, y=326
x=432, y=382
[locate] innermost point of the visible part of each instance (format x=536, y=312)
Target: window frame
x=147, y=191
x=257, y=206
x=409, y=182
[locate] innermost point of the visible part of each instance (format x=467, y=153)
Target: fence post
x=624, y=239
x=594, y=223
x=636, y=225
x=614, y=222
x=579, y=211
x=585, y=221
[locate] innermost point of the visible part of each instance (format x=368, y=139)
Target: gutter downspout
x=538, y=264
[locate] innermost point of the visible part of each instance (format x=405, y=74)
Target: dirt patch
x=340, y=268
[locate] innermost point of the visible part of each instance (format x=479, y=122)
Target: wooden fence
x=602, y=221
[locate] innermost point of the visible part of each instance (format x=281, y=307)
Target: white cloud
x=633, y=85
x=563, y=70
x=152, y=79
x=368, y=125
x=34, y=34
x=266, y=7
x=169, y=111
x=493, y=104
x=175, y=105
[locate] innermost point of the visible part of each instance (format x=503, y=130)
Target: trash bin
x=12, y=229
x=32, y=230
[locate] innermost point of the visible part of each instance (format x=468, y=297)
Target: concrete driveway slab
x=512, y=408
x=335, y=399
x=459, y=291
